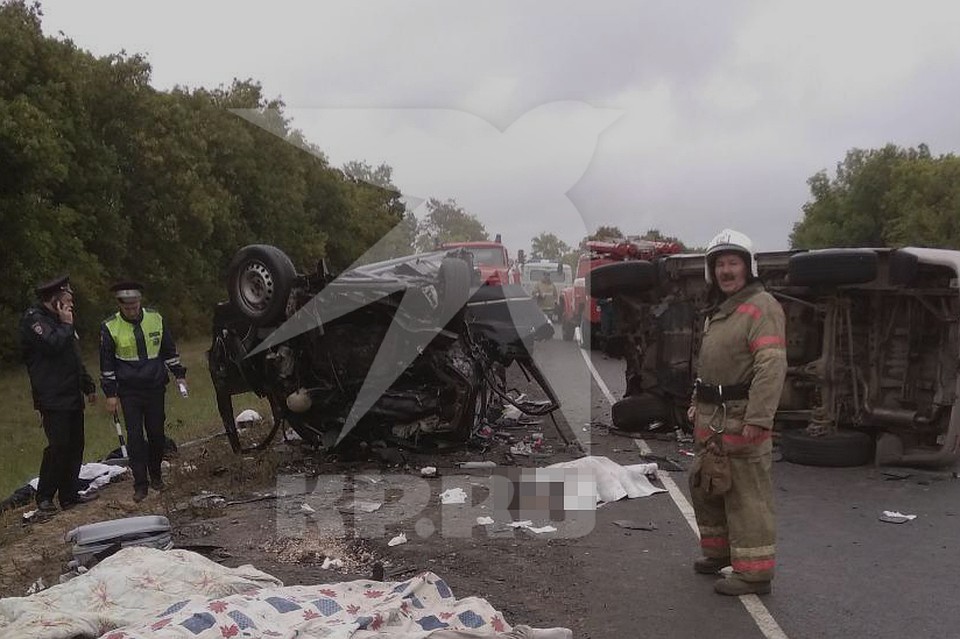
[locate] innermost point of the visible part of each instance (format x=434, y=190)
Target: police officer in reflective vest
x=59, y=381
x=741, y=369
x=136, y=351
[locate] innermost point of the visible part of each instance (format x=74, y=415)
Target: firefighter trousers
x=740, y=524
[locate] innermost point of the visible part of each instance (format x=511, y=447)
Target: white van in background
x=532, y=272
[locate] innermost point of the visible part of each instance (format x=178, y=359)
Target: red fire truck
x=577, y=309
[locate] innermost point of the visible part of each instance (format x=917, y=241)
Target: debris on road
x=895, y=517
x=629, y=524
x=398, y=540
x=478, y=464
x=485, y=521
x=307, y=509
x=428, y=471
x=330, y=562
x=453, y=496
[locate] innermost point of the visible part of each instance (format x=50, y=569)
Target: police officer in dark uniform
x=136, y=351
x=59, y=381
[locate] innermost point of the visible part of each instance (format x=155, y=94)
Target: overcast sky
x=561, y=116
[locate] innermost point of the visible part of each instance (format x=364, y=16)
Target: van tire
x=637, y=412
x=621, y=278
x=833, y=267
x=842, y=449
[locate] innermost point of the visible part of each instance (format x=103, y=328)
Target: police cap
x=127, y=289
x=54, y=286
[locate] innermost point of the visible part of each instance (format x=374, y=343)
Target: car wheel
x=260, y=279
x=841, y=449
x=454, y=286
x=636, y=412
x=833, y=267
x=622, y=278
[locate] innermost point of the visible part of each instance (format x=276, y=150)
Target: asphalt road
x=841, y=572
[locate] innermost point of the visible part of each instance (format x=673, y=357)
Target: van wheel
x=622, y=278
x=833, y=267
x=842, y=449
x=636, y=412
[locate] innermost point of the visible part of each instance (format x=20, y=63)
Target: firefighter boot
x=710, y=565
x=735, y=586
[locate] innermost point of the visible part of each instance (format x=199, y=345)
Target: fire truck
x=491, y=258
x=587, y=313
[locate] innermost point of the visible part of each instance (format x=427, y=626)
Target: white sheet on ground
x=614, y=482
x=99, y=475
x=142, y=593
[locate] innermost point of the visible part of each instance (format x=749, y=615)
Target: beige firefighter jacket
x=744, y=341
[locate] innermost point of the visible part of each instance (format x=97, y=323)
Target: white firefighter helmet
x=727, y=241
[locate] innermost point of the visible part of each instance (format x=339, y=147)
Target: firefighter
x=740, y=374
x=546, y=294
x=136, y=351
x=59, y=381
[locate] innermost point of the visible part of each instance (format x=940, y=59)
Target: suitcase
x=93, y=542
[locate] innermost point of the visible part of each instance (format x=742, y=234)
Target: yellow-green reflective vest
x=125, y=341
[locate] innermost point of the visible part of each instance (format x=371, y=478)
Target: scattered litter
x=484, y=521
x=478, y=464
x=894, y=517
x=399, y=539
x=248, y=416
x=188, y=468
x=36, y=586
x=27, y=516
x=307, y=509
x=526, y=523
x=368, y=479
x=208, y=500
x=453, y=496
x=688, y=453
x=428, y=471
x=894, y=475
x=291, y=435
x=523, y=449
x=329, y=562
x=540, y=530
x=683, y=438
x=359, y=506
x=629, y=524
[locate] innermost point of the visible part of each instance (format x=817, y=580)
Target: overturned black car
x=408, y=351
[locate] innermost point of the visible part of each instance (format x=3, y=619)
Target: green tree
x=882, y=197
x=548, y=246
x=446, y=221
x=605, y=234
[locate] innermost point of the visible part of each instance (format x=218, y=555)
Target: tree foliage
x=446, y=221
x=103, y=177
x=890, y=196
x=548, y=246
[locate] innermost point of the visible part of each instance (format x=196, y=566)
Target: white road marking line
x=755, y=608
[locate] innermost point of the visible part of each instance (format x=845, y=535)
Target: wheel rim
x=255, y=287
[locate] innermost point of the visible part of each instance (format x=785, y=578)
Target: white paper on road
x=453, y=496
x=613, y=481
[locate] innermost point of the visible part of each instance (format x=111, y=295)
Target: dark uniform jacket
x=51, y=352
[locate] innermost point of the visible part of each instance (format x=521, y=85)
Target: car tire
x=259, y=280
x=622, y=278
x=833, y=267
x=454, y=279
x=637, y=412
x=842, y=449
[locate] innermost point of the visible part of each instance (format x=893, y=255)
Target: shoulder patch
x=37, y=328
